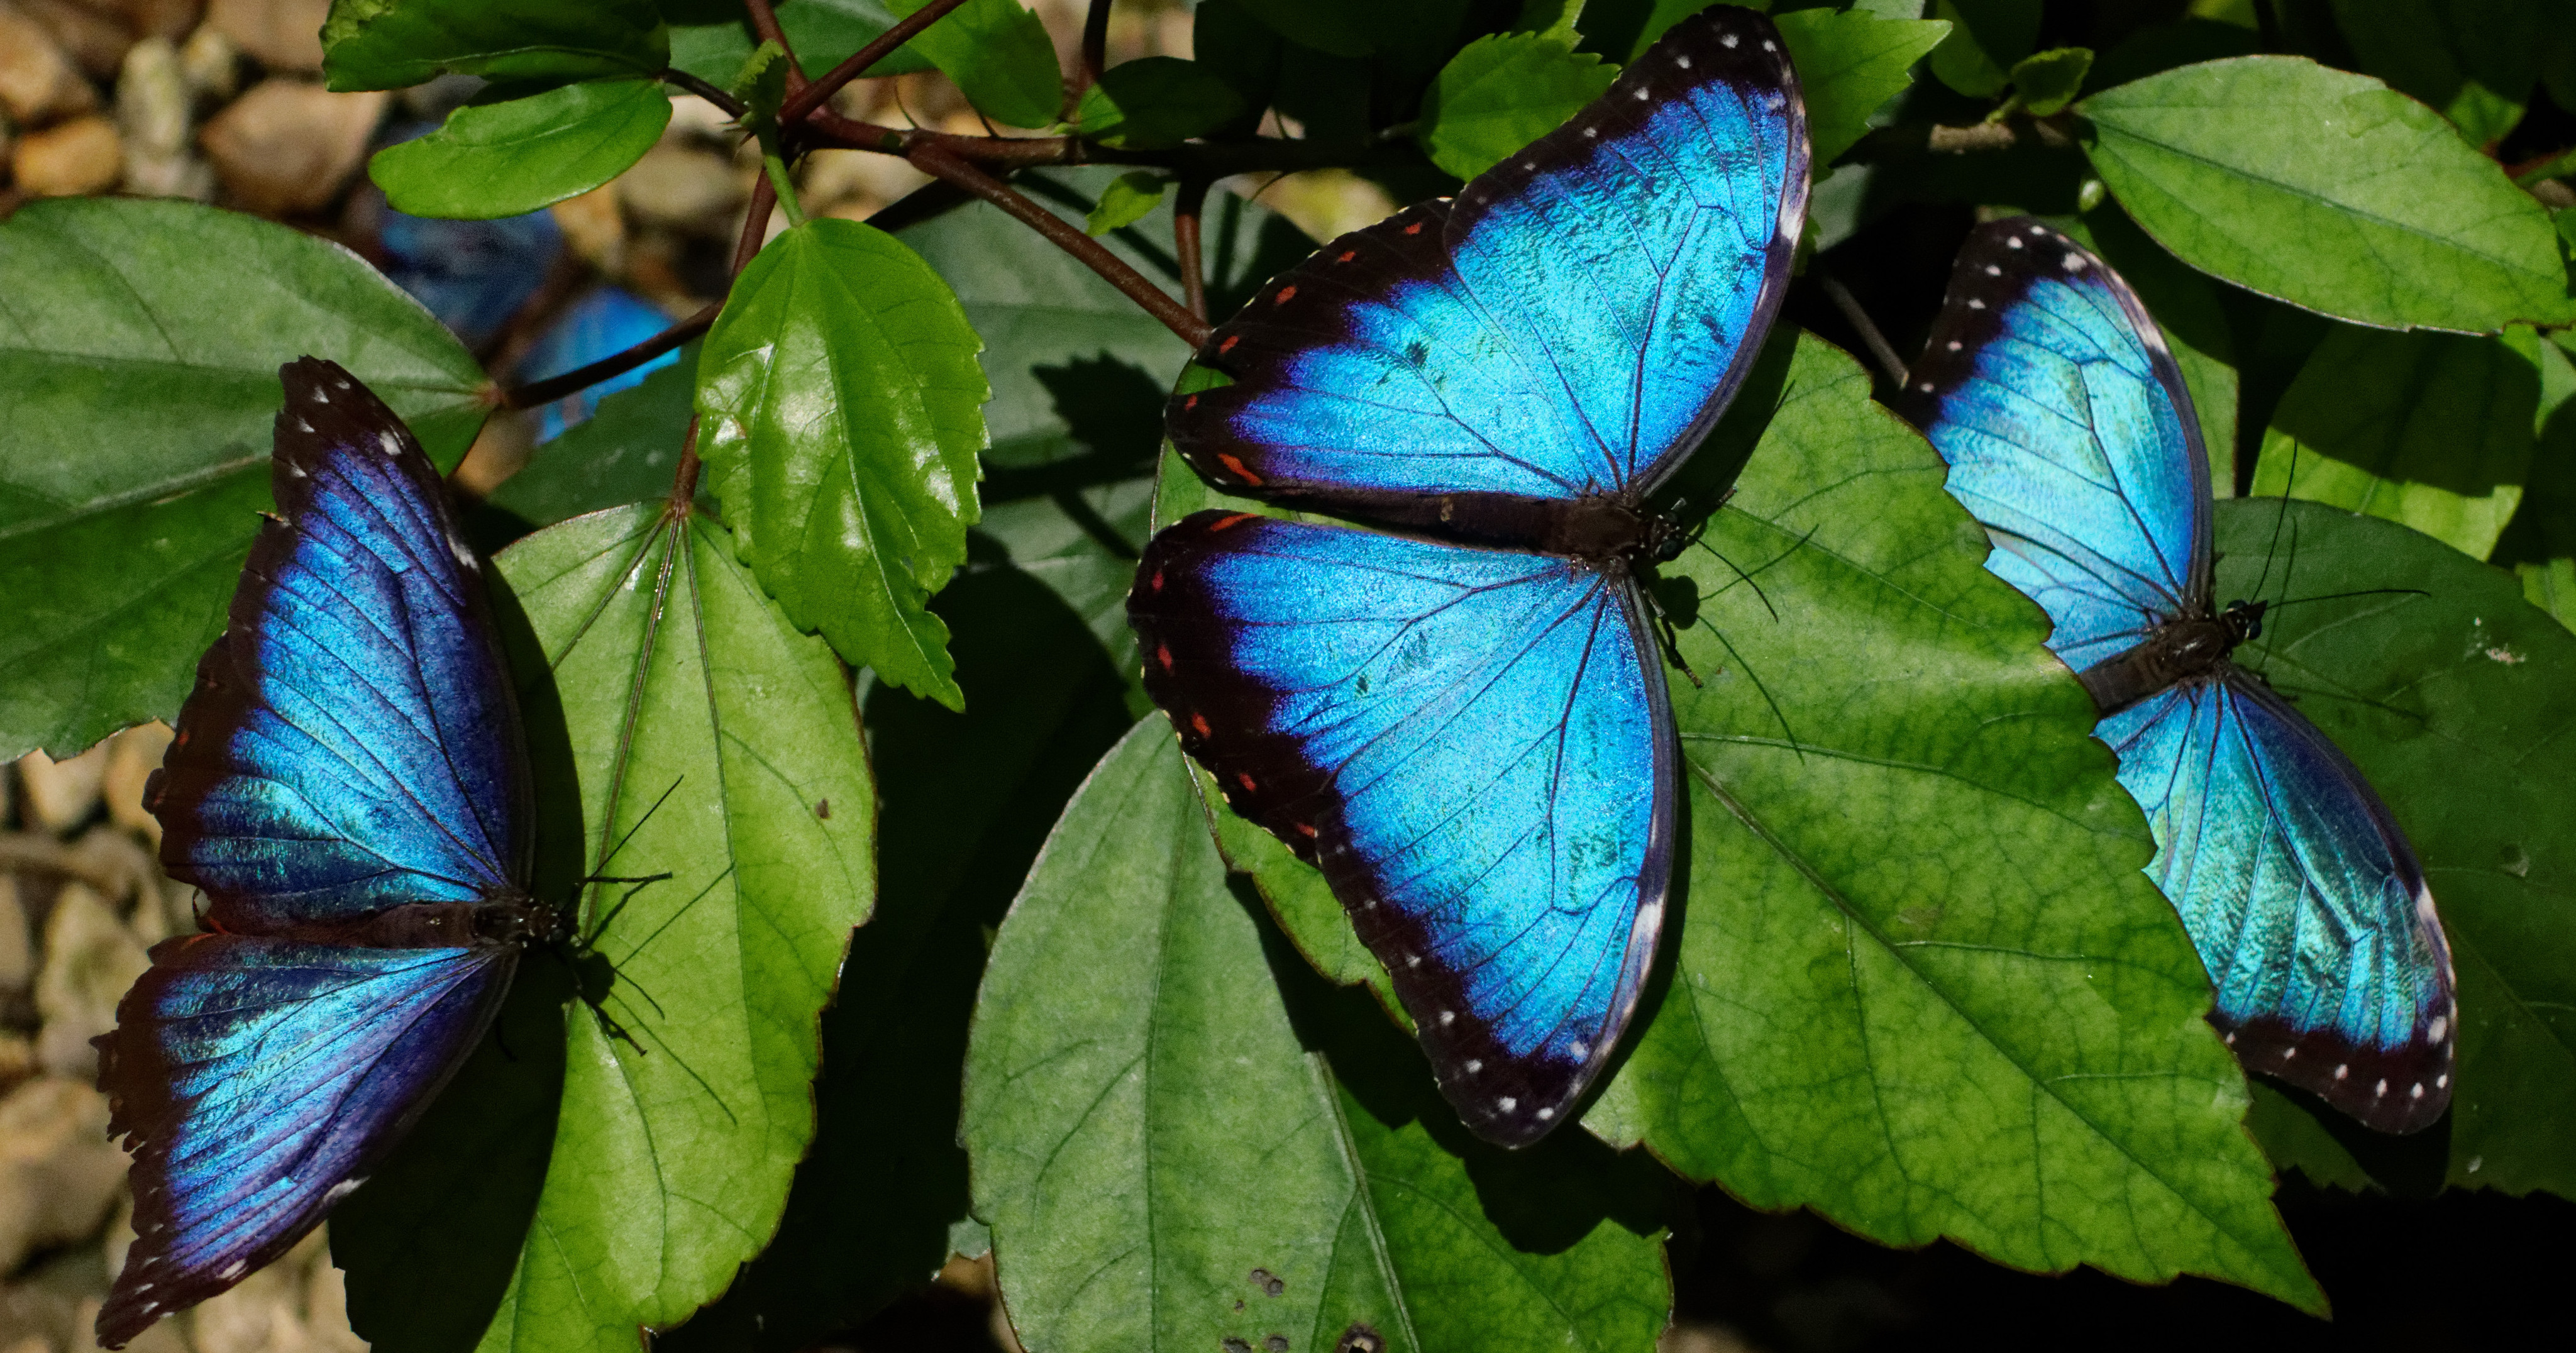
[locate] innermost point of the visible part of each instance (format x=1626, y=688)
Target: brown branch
x=877, y=49
x=1187, y=206
x=552, y=388
x=935, y=160
x=764, y=21
x=1211, y=159
x=1899, y=142
x=684, y=480
x=755, y=228
x=1095, y=48
x=732, y=106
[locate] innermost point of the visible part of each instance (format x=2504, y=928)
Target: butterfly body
x=1460, y=715
x=2069, y=433
x=349, y=786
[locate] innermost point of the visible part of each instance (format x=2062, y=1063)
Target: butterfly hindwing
x=257, y=1080
x=1572, y=324
x=2070, y=434
x=352, y=743
x=2305, y=901
x=1476, y=747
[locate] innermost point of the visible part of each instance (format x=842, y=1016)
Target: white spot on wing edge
x=1546, y=1114
x=1507, y=1103
x=1474, y=1065
x=1683, y=62
x=1726, y=40
x=304, y=425
x=230, y=1271
x=2441, y=1026
x=391, y=443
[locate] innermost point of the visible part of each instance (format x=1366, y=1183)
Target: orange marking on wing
x=1230, y=519
x=1199, y=722
x=1237, y=466
x=1286, y=294
x=1413, y=229
x=1246, y=781
x=1157, y=583
x=1163, y=655
x=1190, y=402
x=1308, y=828
x=1228, y=344
x=1347, y=256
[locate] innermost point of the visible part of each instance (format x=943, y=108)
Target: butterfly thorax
x=2180, y=651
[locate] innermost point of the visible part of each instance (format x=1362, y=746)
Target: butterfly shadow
x=430, y=1243
x=1543, y=1198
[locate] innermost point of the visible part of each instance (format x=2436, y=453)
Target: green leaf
x=2429, y=430
x=839, y=401
x=1334, y=27
x=2186, y=306
x=504, y=159
x=2162, y=47
x=134, y=456
x=2475, y=61
x=2326, y=190
x=387, y=44
x=2458, y=704
x=1125, y=202
x=824, y=33
x=1986, y=38
x=999, y=54
x=2540, y=542
x=680, y=724
x=967, y=801
x=2046, y=82
x=1848, y=64
x=1500, y=93
x=624, y=453
x=1179, y=1140
x=1154, y=102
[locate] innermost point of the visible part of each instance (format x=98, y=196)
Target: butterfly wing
x=2070, y=434
x=1476, y=747
x=2305, y=902
x=1572, y=324
x=257, y=1080
x=353, y=742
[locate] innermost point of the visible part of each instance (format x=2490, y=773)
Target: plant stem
x=1095, y=53
x=935, y=160
x=1188, y=204
x=774, y=166
x=764, y=21
x=552, y=388
x=1206, y=159
x=812, y=96
x=732, y=106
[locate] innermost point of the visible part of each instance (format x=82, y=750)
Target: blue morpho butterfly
x=349, y=785
x=1466, y=724
x=2069, y=433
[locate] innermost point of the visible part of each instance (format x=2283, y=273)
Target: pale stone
x=682, y=189
x=79, y=157
x=17, y=942
x=288, y=145
x=152, y=107
x=38, y=82
x=61, y=794
x=17, y=1059
x=856, y=184
x=160, y=1337
x=594, y=229
x=282, y=34
x=132, y=756
x=90, y=960
x=93, y=35
x=211, y=63
x=259, y=1315
x=58, y=1174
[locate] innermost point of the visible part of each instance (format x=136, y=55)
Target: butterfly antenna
x=591, y=940
x=622, y=842
x=676, y=914
x=2278, y=521
x=1849, y=304
x=1776, y=712
x=2365, y=592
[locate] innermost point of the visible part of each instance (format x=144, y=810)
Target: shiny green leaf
x=840, y=407
x=1849, y=64
x=505, y=159
x=2045, y=82
x=140, y=357
x=2430, y=430
x=1182, y=1140
x=2474, y=61
x=1502, y=92
x=2327, y=190
x=824, y=33
x=2540, y=542
x=1125, y=201
x=387, y=44
x=1986, y=38
x=999, y=54
x=681, y=726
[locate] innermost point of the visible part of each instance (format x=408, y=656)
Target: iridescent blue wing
x=2306, y=904
x=2069, y=433
x=353, y=742
x=1572, y=324
x=1477, y=748
x=257, y=1081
